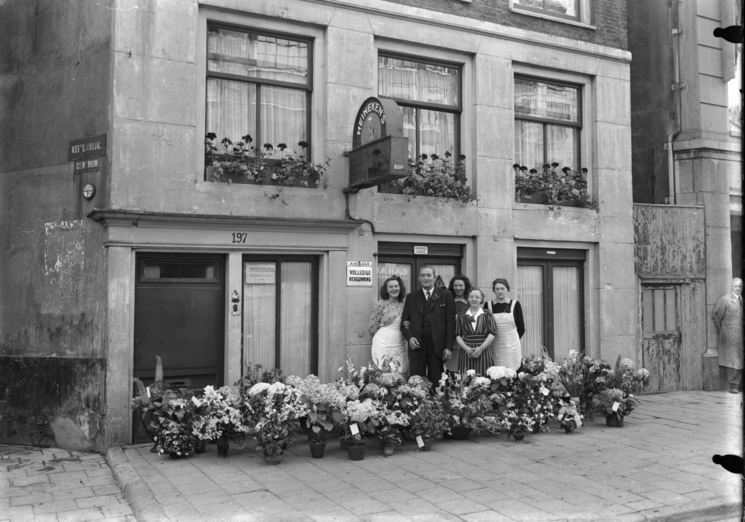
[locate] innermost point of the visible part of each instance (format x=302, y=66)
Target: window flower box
x=435, y=177
x=553, y=187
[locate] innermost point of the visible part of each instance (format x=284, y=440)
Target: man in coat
x=431, y=313
x=728, y=320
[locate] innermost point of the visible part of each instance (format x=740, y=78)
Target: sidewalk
x=52, y=484
x=657, y=467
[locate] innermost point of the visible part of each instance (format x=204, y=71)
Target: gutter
x=677, y=86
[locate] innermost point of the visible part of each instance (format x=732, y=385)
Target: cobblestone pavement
x=51, y=484
x=657, y=467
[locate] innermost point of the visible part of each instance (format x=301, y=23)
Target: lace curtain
x=530, y=295
x=567, y=313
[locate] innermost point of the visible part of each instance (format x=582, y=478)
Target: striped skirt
x=481, y=363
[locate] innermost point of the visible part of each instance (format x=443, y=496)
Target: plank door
x=662, y=337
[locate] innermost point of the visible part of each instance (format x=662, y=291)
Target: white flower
x=496, y=372
x=277, y=387
x=510, y=373
x=482, y=381
x=258, y=388
x=471, y=372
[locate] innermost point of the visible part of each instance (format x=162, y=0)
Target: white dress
x=388, y=342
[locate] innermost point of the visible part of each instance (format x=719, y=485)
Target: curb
x=142, y=499
x=705, y=511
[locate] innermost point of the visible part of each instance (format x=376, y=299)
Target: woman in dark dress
x=459, y=288
x=474, y=332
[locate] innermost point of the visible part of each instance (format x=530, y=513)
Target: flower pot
x=175, y=455
x=317, y=449
x=569, y=426
x=342, y=443
x=388, y=450
x=460, y=432
x=200, y=446
x=428, y=442
x=614, y=421
x=356, y=452
x=222, y=447
x=273, y=459
x=304, y=426
x=517, y=435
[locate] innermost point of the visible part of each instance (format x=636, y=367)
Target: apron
x=506, y=350
x=389, y=343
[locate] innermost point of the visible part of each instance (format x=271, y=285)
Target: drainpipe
x=676, y=87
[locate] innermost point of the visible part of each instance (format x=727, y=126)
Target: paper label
x=544, y=390
x=354, y=429
x=148, y=391
x=419, y=441
x=615, y=406
x=196, y=401
x=307, y=423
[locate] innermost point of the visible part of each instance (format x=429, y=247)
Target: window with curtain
x=547, y=124
x=429, y=94
x=280, y=314
x=259, y=85
x=560, y=8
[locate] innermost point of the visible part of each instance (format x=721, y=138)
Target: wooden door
x=662, y=336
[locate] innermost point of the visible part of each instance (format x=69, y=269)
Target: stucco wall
x=54, y=76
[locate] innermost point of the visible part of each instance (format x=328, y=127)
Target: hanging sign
x=261, y=273
x=359, y=273
x=421, y=250
x=380, y=149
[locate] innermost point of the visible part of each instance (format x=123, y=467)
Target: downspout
x=675, y=32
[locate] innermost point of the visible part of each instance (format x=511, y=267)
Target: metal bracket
x=683, y=85
x=675, y=31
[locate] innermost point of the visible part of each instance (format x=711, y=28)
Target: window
x=258, y=84
x=551, y=292
x=280, y=313
x=560, y=8
x=399, y=259
x=429, y=94
x=547, y=123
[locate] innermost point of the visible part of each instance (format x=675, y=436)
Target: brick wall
x=609, y=16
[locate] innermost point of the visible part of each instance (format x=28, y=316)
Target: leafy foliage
x=565, y=187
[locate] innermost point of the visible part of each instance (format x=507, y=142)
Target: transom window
x=560, y=8
x=259, y=85
x=548, y=123
x=429, y=94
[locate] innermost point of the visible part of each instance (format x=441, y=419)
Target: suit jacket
x=442, y=318
x=727, y=317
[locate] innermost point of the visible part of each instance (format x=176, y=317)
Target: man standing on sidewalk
x=728, y=320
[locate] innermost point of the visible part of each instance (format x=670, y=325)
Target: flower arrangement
x=175, y=438
x=362, y=418
x=170, y=418
x=573, y=373
x=569, y=417
x=515, y=423
x=218, y=415
x=274, y=406
x=467, y=402
x=436, y=177
x=430, y=421
x=253, y=375
x=613, y=401
x=565, y=187
x=326, y=405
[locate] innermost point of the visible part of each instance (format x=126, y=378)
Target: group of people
x=438, y=328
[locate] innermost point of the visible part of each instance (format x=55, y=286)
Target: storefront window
x=547, y=124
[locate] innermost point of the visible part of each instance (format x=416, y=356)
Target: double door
x=551, y=293
x=400, y=259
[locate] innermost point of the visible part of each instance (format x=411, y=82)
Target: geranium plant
x=437, y=177
x=556, y=187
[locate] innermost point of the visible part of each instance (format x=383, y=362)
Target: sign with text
x=380, y=149
x=84, y=148
x=359, y=273
x=261, y=273
x=421, y=250
x=87, y=165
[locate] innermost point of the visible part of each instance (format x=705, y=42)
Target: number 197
x=239, y=237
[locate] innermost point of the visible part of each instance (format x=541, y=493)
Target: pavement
x=657, y=467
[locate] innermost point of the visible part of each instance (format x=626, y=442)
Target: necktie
x=428, y=296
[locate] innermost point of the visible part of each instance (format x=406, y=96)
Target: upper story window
x=258, y=84
x=560, y=8
x=429, y=94
x=548, y=123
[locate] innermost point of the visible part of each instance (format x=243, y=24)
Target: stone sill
x=534, y=206
x=553, y=18
x=217, y=187
x=394, y=213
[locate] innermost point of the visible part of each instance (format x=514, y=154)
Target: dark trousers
x=428, y=364
x=734, y=377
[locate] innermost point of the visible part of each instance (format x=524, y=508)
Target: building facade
x=149, y=255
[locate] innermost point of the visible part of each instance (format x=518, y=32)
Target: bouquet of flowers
x=430, y=420
x=515, y=422
x=326, y=405
x=569, y=417
x=362, y=418
x=613, y=401
x=254, y=375
x=533, y=397
x=274, y=406
x=171, y=418
x=218, y=415
x=175, y=438
x=467, y=402
x=572, y=373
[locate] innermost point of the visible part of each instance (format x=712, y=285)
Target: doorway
x=405, y=260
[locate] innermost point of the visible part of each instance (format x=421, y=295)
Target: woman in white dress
x=508, y=315
x=385, y=326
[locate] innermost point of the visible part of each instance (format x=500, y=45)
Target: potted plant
x=362, y=418
x=516, y=423
x=274, y=407
x=467, y=402
x=436, y=177
x=553, y=186
x=615, y=404
x=428, y=423
x=569, y=418
x=326, y=407
x=218, y=417
x=171, y=422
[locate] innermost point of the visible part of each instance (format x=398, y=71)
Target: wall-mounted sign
x=421, y=250
x=261, y=273
x=92, y=147
x=380, y=150
x=359, y=273
x=89, y=190
x=87, y=165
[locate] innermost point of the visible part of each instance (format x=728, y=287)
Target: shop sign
x=261, y=273
x=87, y=165
x=380, y=149
x=359, y=273
x=84, y=148
x=421, y=250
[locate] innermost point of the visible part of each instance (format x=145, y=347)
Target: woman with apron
x=508, y=315
x=388, y=342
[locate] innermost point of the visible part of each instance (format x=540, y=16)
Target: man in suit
x=431, y=314
x=728, y=320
